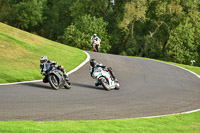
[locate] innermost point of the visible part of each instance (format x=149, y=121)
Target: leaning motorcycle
x=105, y=79
x=56, y=78
x=96, y=45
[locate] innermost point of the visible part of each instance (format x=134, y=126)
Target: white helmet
x=43, y=59
x=95, y=35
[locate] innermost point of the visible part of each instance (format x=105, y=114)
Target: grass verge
x=20, y=54
x=183, y=123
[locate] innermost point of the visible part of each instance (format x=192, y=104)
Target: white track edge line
x=82, y=64
x=173, y=65
x=187, y=112
x=70, y=72
x=181, y=68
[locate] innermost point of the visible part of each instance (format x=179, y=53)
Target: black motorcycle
x=56, y=78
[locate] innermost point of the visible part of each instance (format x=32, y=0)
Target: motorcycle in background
x=96, y=45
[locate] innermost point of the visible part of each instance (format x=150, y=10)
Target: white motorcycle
x=105, y=79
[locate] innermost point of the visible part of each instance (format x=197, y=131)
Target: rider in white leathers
x=94, y=65
x=95, y=38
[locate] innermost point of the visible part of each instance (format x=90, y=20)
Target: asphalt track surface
x=148, y=88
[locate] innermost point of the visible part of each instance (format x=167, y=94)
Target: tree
x=28, y=13
x=182, y=48
x=148, y=28
x=57, y=17
x=79, y=34
x=100, y=8
x=134, y=11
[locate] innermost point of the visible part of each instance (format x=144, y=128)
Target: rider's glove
x=43, y=73
x=109, y=68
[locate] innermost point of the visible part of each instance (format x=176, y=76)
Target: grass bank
x=20, y=52
x=182, y=123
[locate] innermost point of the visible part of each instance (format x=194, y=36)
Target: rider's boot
x=110, y=70
x=97, y=83
x=94, y=49
x=45, y=79
x=66, y=76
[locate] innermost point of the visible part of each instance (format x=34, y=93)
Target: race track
x=148, y=88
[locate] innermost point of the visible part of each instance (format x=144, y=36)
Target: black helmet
x=93, y=62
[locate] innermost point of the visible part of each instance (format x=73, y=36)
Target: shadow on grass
x=88, y=86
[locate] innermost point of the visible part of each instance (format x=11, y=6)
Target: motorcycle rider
x=45, y=65
x=93, y=38
x=94, y=65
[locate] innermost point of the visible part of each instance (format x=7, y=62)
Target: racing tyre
x=67, y=85
x=105, y=83
x=97, y=48
x=54, y=81
x=117, y=87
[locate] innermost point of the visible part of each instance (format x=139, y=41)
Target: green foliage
x=148, y=28
x=100, y=8
x=57, y=17
x=182, y=48
x=5, y=11
x=133, y=11
x=169, y=31
x=79, y=33
x=22, y=14
x=28, y=13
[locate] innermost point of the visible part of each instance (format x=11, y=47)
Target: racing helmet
x=93, y=62
x=95, y=35
x=43, y=59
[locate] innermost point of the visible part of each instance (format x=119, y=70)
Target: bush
x=79, y=34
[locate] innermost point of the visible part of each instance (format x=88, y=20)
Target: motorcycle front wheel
x=54, y=81
x=105, y=83
x=97, y=48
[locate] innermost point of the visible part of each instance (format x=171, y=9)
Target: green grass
x=20, y=54
x=182, y=123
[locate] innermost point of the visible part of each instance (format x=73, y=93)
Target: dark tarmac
x=147, y=88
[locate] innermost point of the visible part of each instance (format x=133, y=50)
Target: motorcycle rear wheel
x=67, y=85
x=117, y=87
x=97, y=48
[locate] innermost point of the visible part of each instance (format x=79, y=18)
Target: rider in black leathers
x=44, y=67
